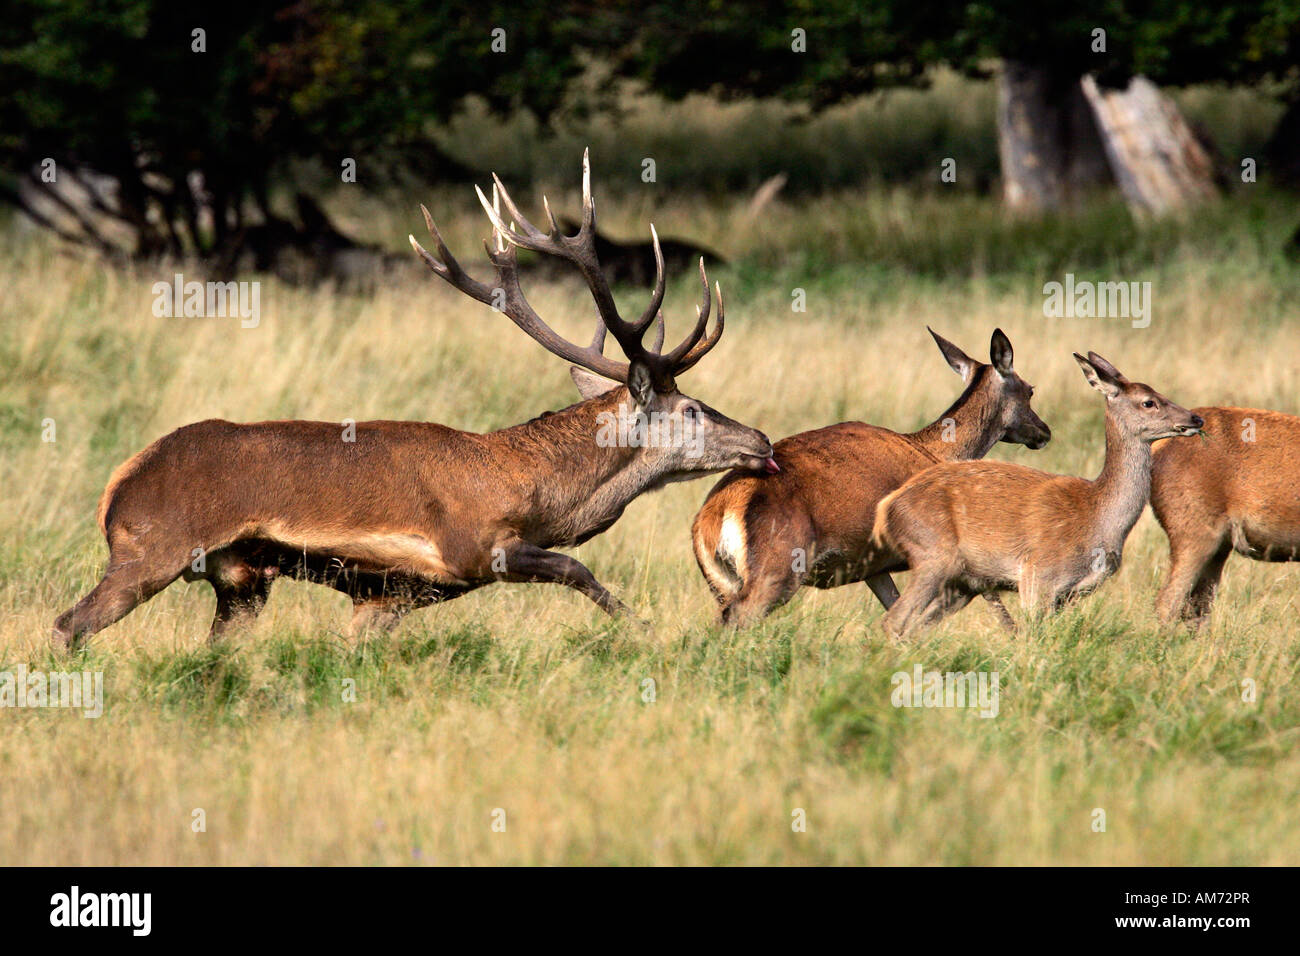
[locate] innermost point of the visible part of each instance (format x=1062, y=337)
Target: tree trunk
x=1153, y=153
x=1050, y=148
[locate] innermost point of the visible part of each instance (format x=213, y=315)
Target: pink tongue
x=771, y=466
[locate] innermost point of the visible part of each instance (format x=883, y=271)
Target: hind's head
x=1138, y=408
x=1000, y=390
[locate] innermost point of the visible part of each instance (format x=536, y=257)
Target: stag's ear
x=961, y=363
x=1099, y=378
x=640, y=384
x=590, y=385
x=1000, y=353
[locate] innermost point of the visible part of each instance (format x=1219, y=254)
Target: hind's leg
x=949, y=601
x=1197, y=611
x=125, y=586
x=763, y=593
x=918, y=597
x=1193, y=554
x=779, y=553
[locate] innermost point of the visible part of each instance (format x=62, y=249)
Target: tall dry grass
x=527, y=699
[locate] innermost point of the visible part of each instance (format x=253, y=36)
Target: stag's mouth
x=764, y=463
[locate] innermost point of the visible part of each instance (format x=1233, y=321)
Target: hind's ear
x=590, y=385
x=1098, y=377
x=960, y=362
x=1000, y=353
x=1101, y=364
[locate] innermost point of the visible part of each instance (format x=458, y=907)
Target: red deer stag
x=758, y=539
x=1237, y=491
x=410, y=513
x=967, y=528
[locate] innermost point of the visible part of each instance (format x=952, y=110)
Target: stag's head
x=681, y=435
x=1137, y=408
x=1004, y=394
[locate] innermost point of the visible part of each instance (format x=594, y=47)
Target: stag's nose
x=769, y=462
x=1198, y=421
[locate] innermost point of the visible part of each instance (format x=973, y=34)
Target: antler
x=579, y=249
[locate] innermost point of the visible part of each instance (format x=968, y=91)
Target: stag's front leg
x=884, y=588
x=527, y=563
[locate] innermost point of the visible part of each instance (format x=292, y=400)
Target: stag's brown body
x=1238, y=490
x=757, y=539
x=974, y=527
x=402, y=514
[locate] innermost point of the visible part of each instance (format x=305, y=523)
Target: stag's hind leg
x=125, y=586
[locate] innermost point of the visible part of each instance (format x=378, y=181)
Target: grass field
x=527, y=699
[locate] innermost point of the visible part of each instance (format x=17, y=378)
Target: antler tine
x=540, y=242
x=598, y=340
x=515, y=305
x=656, y=297
x=550, y=218
x=517, y=308
x=674, y=357
x=659, y=334
x=500, y=229
x=581, y=251
x=702, y=349
x=446, y=266
x=588, y=204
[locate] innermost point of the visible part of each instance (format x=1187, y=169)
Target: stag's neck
x=576, y=485
x=1124, y=485
x=967, y=430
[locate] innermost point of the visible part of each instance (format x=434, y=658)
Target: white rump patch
x=731, y=542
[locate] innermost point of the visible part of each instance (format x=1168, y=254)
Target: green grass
x=526, y=698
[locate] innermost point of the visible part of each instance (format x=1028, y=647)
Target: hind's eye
x=1148, y=404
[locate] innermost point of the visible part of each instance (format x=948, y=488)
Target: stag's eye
x=1148, y=404
x=690, y=412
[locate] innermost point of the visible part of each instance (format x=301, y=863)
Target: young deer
x=1236, y=491
x=409, y=513
x=757, y=540
x=967, y=528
